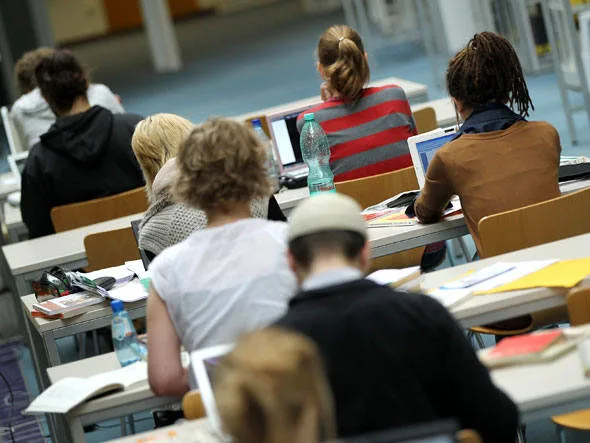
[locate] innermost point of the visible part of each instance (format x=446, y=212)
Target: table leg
x=76, y=429
x=51, y=349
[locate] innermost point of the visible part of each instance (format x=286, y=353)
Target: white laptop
x=424, y=146
x=203, y=364
x=285, y=138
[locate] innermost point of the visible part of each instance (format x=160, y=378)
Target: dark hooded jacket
x=82, y=157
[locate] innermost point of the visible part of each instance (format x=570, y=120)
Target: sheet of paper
x=137, y=267
x=389, y=276
x=129, y=292
x=558, y=274
x=451, y=297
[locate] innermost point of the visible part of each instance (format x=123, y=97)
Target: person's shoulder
x=542, y=127
x=127, y=119
x=387, y=92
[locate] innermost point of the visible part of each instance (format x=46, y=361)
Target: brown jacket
x=492, y=172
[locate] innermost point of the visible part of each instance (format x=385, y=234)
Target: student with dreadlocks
x=498, y=161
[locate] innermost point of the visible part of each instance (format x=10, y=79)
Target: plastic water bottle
x=127, y=347
x=315, y=149
x=272, y=166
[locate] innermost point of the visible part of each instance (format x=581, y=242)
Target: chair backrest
x=110, y=248
x=86, y=213
x=468, y=436
x=425, y=120
x=192, y=405
x=15, y=142
x=551, y=220
x=578, y=305
x=368, y=191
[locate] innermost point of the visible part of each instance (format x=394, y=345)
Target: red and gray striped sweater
x=369, y=137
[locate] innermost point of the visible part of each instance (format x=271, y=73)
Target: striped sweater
x=368, y=138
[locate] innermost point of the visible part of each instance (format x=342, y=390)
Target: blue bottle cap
x=117, y=306
x=256, y=123
x=309, y=117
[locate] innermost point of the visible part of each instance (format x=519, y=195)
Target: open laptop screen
x=427, y=149
x=286, y=137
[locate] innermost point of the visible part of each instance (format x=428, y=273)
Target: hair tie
x=340, y=39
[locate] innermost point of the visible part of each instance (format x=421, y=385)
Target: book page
x=129, y=292
x=67, y=393
x=390, y=276
x=125, y=377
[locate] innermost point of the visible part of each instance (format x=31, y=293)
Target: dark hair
x=24, y=69
x=488, y=70
x=61, y=79
x=342, y=55
x=307, y=248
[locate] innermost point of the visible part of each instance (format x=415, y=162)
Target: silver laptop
x=203, y=364
x=285, y=138
x=423, y=147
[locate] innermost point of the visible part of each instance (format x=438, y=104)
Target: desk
x=444, y=109
x=45, y=332
x=546, y=389
x=26, y=259
x=119, y=404
x=484, y=309
x=415, y=92
x=8, y=184
x=194, y=431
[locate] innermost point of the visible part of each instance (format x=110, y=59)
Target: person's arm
x=467, y=391
x=35, y=202
x=436, y=193
x=166, y=375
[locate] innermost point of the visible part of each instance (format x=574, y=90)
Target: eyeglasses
x=53, y=283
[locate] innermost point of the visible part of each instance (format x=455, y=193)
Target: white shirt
x=33, y=117
x=224, y=281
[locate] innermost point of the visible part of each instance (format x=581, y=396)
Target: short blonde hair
x=156, y=139
x=222, y=162
x=266, y=385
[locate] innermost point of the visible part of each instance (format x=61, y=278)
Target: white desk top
x=482, y=309
x=8, y=184
x=414, y=91
x=97, y=365
x=12, y=215
x=444, y=110
x=57, y=249
x=546, y=389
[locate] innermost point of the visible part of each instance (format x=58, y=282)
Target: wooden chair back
x=86, y=213
x=368, y=191
x=578, y=305
x=263, y=122
x=192, y=405
x=551, y=220
x=110, y=248
x=425, y=120
x=468, y=436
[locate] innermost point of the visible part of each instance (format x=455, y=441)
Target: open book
x=69, y=392
x=395, y=277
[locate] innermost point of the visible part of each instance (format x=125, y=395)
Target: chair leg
x=479, y=341
x=95, y=342
x=82, y=342
x=560, y=434
x=521, y=434
x=461, y=242
x=131, y=425
x=123, y=427
x=450, y=253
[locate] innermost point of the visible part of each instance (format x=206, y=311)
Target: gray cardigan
x=167, y=222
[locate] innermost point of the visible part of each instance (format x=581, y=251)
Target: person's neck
x=79, y=106
x=239, y=211
x=327, y=264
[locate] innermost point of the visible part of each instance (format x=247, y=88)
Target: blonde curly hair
x=221, y=163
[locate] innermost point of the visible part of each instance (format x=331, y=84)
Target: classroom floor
x=264, y=57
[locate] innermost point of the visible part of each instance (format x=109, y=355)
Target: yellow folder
x=562, y=274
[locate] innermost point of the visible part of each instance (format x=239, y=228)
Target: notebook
x=285, y=137
x=423, y=147
x=69, y=392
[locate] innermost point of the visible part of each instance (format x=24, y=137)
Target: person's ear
x=294, y=267
x=365, y=258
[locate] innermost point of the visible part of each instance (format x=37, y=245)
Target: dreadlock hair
x=488, y=70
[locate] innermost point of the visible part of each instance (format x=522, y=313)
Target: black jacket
x=82, y=157
x=395, y=359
